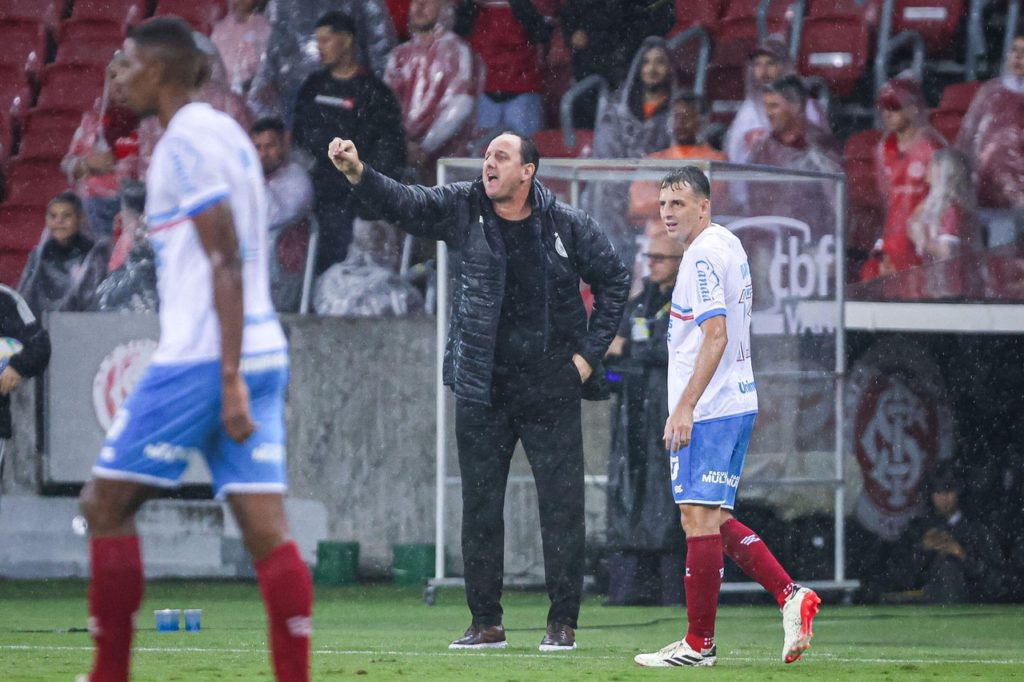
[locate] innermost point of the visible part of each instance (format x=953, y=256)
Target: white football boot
x=678, y=654
x=797, y=615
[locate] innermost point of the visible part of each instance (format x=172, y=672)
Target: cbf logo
x=799, y=270
x=116, y=377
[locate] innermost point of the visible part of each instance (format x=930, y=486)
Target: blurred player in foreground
x=713, y=405
x=216, y=383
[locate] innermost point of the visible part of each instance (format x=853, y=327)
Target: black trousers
x=542, y=411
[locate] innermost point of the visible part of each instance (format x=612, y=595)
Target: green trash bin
x=337, y=563
x=413, y=564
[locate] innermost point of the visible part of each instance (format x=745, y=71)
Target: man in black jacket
x=344, y=98
x=18, y=322
x=520, y=355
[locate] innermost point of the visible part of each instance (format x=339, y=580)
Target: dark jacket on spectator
x=52, y=271
x=574, y=248
x=362, y=109
x=18, y=322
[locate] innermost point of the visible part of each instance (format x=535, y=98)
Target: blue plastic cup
x=193, y=620
x=168, y=620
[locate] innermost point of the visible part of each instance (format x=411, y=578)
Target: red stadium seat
x=52, y=119
x=865, y=206
x=46, y=11
x=70, y=86
x=947, y=122
x=15, y=93
x=20, y=229
x=34, y=182
x=124, y=12
x=23, y=44
x=935, y=20
x=45, y=143
x=90, y=29
x=958, y=96
x=551, y=144
x=837, y=48
x=704, y=13
x=200, y=15
x=740, y=20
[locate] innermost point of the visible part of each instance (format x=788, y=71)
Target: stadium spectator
x=292, y=55
x=217, y=380
x=792, y=141
x=399, y=12
x=603, y=37
x=17, y=322
x=242, y=37
x=902, y=159
x=437, y=80
x=289, y=211
x=103, y=152
x=643, y=521
x=992, y=134
x=344, y=99
x=215, y=84
x=633, y=126
x=55, y=265
x=687, y=121
x=944, y=224
x=768, y=62
x=949, y=557
x=521, y=354
x=131, y=282
x=507, y=35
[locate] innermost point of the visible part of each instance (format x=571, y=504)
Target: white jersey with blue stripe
x=202, y=159
x=714, y=279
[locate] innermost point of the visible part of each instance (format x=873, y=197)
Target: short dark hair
x=689, y=97
x=527, y=149
x=172, y=38
x=791, y=88
x=339, y=22
x=267, y=124
x=691, y=176
x=133, y=196
x=69, y=198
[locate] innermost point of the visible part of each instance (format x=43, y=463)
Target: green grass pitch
x=388, y=633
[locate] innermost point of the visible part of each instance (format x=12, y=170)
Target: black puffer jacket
x=18, y=322
x=575, y=248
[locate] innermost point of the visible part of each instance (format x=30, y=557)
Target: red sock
x=115, y=593
x=703, y=582
x=288, y=595
x=746, y=548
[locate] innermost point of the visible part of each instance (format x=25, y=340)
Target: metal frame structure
x=577, y=171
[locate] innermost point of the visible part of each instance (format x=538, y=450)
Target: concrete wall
x=361, y=411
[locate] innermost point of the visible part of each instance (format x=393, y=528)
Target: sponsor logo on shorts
x=720, y=477
x=168, y=452
x=107, y=454
x=268, y=452
x=747, y=387
x=678, y=489
x=674, y=464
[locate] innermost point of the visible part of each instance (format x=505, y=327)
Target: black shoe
x=481, y=637
x=559, y=637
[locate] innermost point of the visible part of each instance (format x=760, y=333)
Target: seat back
x=836, y=48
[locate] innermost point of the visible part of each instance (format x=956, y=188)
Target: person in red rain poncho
x=901, y=164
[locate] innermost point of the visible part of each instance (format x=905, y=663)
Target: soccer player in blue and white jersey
x=713, y=400
x=215, y=387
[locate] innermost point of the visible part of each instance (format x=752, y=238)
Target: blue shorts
x=707, y=471
x=173, y=415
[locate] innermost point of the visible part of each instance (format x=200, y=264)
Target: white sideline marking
x=497, y=653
